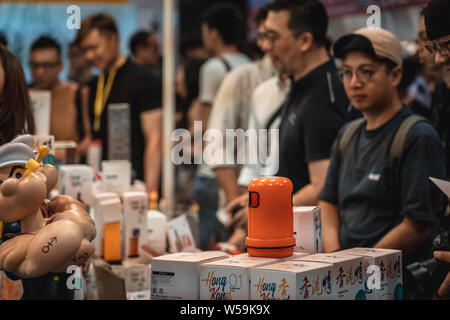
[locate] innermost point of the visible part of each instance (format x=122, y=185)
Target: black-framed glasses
x=44, y=65
x=443, y=48
x=363, y=74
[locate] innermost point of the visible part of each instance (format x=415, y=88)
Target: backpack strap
x=400, y=137
x=347, y=135
x=225, y=63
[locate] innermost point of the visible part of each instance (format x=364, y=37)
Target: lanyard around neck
x=103, y=91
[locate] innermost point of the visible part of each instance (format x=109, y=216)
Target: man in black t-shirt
x=125, y=104
x=316, y=108
x=368, y=200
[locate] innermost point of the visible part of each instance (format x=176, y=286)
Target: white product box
x=229, y=279
x=116, y=175
x=76, y=181
x=290, y=280
x=135, y=205
x=180, y=235
x=111, y=216
x=390, y=277
x=346, y=275
x=96, y=215
x=139, y=295
x=41, y=105
x=156, y=233
x=137, y=278
x=307, y=230
x=176, y=276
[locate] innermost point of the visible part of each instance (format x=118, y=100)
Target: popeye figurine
x=40, y=238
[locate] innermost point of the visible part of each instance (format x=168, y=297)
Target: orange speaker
x=270, y=218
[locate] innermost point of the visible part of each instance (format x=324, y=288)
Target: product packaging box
x=41, y=101
x=96, y=214
x=346, y=273
x=176, y=276
x=135, y=205
x=111, y=216
x=49, y=142
x=137, y=278
x=229, y=279
x=382, y=268
x=180, y=235
x=116, y=175
x=76, y=181
x=307, y=230
x=291, y=280
x=156, y=233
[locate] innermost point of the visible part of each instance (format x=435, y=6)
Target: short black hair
x=305, y=16
x=45, y=42
x=261, y=14
x=3, y=39
x=226, y=19
x=422, y=12
x=140, y=38
x=104, y=23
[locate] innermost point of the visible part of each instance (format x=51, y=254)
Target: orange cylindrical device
x=270, y=218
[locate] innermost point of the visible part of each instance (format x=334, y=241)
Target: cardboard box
x=290, y=280
x=116, y=175
x=307, y=230
x=390, y=277
x=95, y=212
x=111, y=215
x=346, y=272
x=180, y=235
x=135, y=205
x=111, y=286
x=156, y=233
x=176, y=276
x=229, y=279
x=76, y=181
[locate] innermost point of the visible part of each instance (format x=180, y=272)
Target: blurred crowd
x=338, y=106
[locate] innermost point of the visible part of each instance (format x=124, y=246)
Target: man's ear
x=397, y=74
x=306, y=41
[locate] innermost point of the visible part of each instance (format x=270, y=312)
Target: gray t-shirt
x=371, y=200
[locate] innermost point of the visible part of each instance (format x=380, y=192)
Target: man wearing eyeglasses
x=437, y=22
x=370, y=199
x=69, y=118
x=316, y=107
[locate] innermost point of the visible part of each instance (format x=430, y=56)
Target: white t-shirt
x=231, y=106
x=213, y=72
x=267, y=98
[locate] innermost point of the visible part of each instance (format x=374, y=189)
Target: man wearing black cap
x=377, y=195
x=437, y=23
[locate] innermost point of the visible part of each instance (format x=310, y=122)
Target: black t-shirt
x=316, y=108
x=371, y=199
x=441, y=103
x=141, y=90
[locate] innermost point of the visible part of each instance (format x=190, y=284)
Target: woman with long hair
x=16, y=116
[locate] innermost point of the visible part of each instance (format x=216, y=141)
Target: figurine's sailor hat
x=18, y=151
